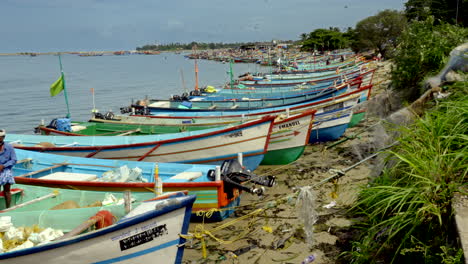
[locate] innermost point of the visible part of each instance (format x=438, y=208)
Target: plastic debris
x=309, y=259
x=305, y=205
x=123, y=174
x=330, y=205
x=109, y=199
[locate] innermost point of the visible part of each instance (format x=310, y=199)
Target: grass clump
x=408, y=212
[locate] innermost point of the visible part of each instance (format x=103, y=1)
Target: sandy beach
x=276, y=234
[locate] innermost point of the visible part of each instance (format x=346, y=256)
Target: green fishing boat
x=32, y=198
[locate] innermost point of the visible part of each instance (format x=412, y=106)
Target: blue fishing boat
x=100, y=234
x=210, y=146
x=215, y=188
x=167, y=106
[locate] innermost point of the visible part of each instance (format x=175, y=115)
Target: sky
x=105, y=25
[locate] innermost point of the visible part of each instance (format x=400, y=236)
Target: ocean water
x=25, y=100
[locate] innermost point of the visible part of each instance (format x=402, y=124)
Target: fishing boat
x=32, y=198
x=148, y=232
x=253, y=88
x=208, y=146
x=165, y=106
x=287, y=141
x=250, y=94
x=188, y=117
x=330, y=77
x=215, y=188
x=331, y=120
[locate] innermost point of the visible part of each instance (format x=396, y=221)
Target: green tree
x=324, y=39
x=450, y=11
x=380, y=32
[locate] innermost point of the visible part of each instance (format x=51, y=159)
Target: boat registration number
x=143, y=237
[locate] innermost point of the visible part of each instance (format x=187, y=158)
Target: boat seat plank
x=69, y=176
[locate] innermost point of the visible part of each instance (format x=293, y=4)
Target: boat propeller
x=235, y=176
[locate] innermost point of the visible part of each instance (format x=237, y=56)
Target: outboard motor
x=52, y=124
x=109, y=115
x=184, y=97
x=123, y=110
x=176, y=98
x=237, y=177
x=195, y=92
x=101, y=116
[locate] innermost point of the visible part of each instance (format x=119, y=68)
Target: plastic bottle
x=158, y=182
x=309, y=259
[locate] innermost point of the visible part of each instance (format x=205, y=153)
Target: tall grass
x=408, y=209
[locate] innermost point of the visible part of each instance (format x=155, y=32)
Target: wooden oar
x=79, y=229
x=115, y=132
x=78, y=164
x=41, y=170
x=50, y=195
x=95, y=219
x=24, y=160
x=129, y=132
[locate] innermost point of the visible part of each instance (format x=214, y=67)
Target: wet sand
x=277, y=235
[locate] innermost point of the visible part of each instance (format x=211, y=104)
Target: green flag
x=57, y=86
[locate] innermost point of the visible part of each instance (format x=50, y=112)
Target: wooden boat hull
x=357, y=118
x=140, y=239
x=331, y=127
x=25, y=197
x=211, y=146
x=210, y=194
x=163, y=106
x=288, y=139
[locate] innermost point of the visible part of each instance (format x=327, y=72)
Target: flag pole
x=94, y=102
x=64, y=86
x=231, y=75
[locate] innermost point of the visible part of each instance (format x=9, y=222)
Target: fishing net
x=80, y=199
x=305, y=206
x=64, y=220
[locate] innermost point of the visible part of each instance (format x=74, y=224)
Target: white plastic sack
x=27, y=244
x=109, y=199
x=14, y=233
x=5, y=223
x=123, y=174
x=34, y=237
x=49, y=234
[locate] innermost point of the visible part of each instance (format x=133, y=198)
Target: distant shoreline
x=75, y=52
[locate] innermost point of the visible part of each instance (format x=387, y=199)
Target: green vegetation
x=379, y=32
x=325, y=39
x=408, y=209
x=422, y=50
x=450, y=11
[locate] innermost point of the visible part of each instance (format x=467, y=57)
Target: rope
x=201, y=233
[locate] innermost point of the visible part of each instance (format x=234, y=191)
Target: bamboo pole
x=128, y=201
x=42, y=170
x=79, y=229
x=50, y=195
